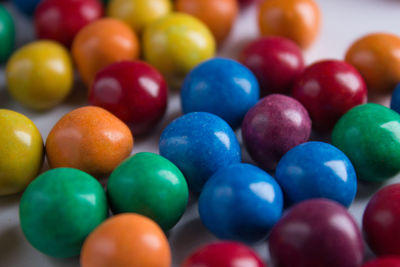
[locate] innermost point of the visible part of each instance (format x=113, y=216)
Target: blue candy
x=317, y=170
x=26, y=6
x=222, y=87
x=241, y=202
x=395, y=102
x=199, y=144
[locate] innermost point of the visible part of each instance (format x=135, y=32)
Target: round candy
x=101, y=43
x=150, y=185
x=274, y=126
x=381, y=221
x=59, y=209
x=317, y=170
x=316, y=233
x=390, y=261
x=220, y=86
x=368, y=135
x=298, y=20
x=176, y=44
x=126, y=240
x=90, y=139
x=224, y=254
x=62, y=20
x=374, y=56
x=138, y=13
x=7, y=34
x=40, y=75
x=328, y=89
x=26, y=6
x=275, y=61
x=199, y=144
x=21, y=152
x=133, y=91
x=395, y=101
x=219, y=16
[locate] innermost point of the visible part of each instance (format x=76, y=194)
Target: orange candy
x=101, y=43
x=219, y=15
x=126, y=240
x=90, y=139
x=298, y=20
x=377, y=58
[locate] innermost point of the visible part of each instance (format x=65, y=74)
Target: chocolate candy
x=7, y=34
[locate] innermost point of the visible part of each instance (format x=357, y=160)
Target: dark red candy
x=328, y=89
x=389, y=261
x=134, y=91
x=276, y=62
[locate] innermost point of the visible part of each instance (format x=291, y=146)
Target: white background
x=343, y=22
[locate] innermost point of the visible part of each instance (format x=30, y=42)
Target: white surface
x=343, y=22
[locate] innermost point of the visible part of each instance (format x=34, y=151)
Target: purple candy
x=316, y=233
x=276, y=124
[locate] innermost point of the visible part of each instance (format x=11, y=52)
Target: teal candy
x=7, y=34
x=59, y=209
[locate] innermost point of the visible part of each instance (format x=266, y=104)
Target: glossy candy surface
x=101, y=43
x=275, y=61
x=27, y=7
x=150, y=185
x=133, y=91
x=59, y=209
x=328, y=89
x=395, y=101
x=316, y=233
x=276, y=124
x=317, y=170
x=21, y=152
x=90, y=139
x=7, y=34
x=219, y=16
x=220, y=86
x=288, y=19
x=389, y=261
x=126, y=240
x=40, y=75
x=368, y=135
x=241, y=202
x=223, y=254
x=375, y=57
x=62, y=20
x=199, y=144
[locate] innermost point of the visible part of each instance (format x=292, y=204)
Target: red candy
x=133, y=91
x=276, y=62
x=328, y=89
x=62, y=20
x=224, y=254
x=384, y=262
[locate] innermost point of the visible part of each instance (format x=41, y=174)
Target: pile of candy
x=268, y=92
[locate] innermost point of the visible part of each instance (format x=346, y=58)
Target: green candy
x=59, y=209
x=7, y=34
x=370, y=136
x=150, y=185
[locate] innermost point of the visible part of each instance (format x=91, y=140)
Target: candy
x=62, y=20
x=219, y=16
x=7, y=34
x=275, y=61
x=59, y=209
x=150, y=185
x=220, y=86
x=390, y=261
x=27, y=7
x=317, y=170
x=316, y=233
x=133, y=91
x=328, y=89
x=381, y=221
x=274, y=126
x=138, y=13
x=395, y=101
x=126, y=240
x=101, y=43
x=40, y=75
x=241, y=202
x=199, y=144
x=21, y=152
x=368, y=135
x=90, y=139
x=223, y=254
x=298, y=20
x=375, y=57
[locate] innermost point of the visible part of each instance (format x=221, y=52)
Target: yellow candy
x=40, y=74
x=21, y=152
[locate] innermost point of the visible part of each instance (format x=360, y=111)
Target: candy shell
x=7, y=34
x=390, y=261
x=27, y=7
x=395, y=101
